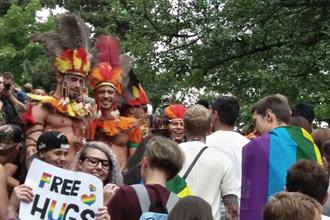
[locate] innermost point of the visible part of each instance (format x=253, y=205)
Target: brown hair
x=191, y=208
x=197, y=120
x=291, y=206
x=277, y=104
x=320, y=136
x=301, y=122
x=309, y=178
x=165, y=155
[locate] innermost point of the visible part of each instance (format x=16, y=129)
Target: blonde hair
x=197, y=120
x=291, y=206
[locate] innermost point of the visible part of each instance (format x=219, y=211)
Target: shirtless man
x=106, y=81
x=64, y=111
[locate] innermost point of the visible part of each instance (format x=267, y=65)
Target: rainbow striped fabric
x=178, y=186
x=265, y=162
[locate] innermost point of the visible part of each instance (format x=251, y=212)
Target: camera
x=7, y=86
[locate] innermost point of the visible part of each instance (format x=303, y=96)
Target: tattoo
x=231, y=206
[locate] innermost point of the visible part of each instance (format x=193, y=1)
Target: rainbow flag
x=265, y=162
x=178, y=186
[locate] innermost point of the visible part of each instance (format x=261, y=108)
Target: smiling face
x=75, y=85
x=105, y=95
x=96, y=163
x=176, y=129
x=56, y=157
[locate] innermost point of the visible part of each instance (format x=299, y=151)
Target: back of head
x=227, y=108
x=203, y=102
x=301, y=122
x=197, y=121
x=304, y=110
x=277, y=104
x=291, y=206
x=164, y=154
x=191, y=208
x=308, y=178
x=10, y=136
x=320, y=136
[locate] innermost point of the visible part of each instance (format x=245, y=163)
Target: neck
x=156, y=176
x=58, y=92
x=223, y=127
x=106, y=113
x=196, y=138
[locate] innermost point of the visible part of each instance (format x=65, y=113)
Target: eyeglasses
x=94, y=162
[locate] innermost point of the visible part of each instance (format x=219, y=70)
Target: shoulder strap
x=172, y=200
x=194, y=162
x=143, y=196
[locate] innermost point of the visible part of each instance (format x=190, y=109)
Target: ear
x=325, y=198
x=269, y=115
x=59, y=77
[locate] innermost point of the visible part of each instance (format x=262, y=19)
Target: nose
x=106, y=95
x=99, y=166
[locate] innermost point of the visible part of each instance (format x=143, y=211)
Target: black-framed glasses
x=94, y=162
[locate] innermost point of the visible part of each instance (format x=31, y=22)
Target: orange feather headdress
x=68, y=46
x=107, y=70
x=175, y=111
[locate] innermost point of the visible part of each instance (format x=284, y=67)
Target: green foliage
x=246, y=48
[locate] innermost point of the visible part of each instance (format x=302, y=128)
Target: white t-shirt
x=212, y=176
x=230, y=143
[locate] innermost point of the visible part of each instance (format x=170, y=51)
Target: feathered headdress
x=68, y=46
x=175, y=111
x=107, y=70
x=133, y=94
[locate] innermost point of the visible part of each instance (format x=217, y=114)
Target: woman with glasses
x=97, y=159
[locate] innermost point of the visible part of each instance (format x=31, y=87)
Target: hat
x=107, y=70
x=10, y=136
x=50, y=140
x=67, y=47
x=175, y=111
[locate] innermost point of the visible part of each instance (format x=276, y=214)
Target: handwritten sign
x=61, y=194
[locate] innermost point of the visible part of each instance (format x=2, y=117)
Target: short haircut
x=301, y=122
x=165, y=155
x=227, y=108
x=305, y=111
x=191, y=207
x=309, y=178
x=203, y=102
x=8, y=75
x=291, y=206
x=276, y=104
x=197, y=120
x=320, y=136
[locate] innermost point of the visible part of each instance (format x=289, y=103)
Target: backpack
x=147, y=208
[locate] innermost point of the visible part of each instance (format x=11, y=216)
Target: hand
x=102, y=214
x=21, y=193
x=109, y=191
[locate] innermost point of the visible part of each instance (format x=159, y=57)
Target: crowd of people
x=178, y=163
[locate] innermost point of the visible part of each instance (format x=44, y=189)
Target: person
x=11, y=137
x=191, y=208
x=301, y=122
x=212, y=176
x=292, y=206
x=266, y=159
x=64, y=110
x=3, y=193
x=174, y=115
x=28, y=88
x=39, y=91
x=162, y=161
x=309, y=178
x=105, y=79
x=320, y=136
x=304, y=110
x=225, y=111
x=10, y=105
x=326, y=149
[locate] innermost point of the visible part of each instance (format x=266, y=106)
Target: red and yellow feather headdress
x=68, y=46
x=175, y=111
x=107, y=70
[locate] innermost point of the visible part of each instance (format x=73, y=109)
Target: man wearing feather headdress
x=65, y=111
x=106, y=80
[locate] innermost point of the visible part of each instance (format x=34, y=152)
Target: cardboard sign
x=61, y=194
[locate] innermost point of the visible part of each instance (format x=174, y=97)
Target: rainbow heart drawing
x=88, y=199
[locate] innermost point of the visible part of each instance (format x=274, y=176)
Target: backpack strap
x=194, y=162
x=172, y=200
x=143, y=196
